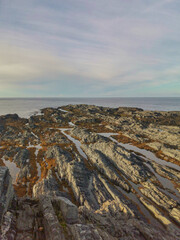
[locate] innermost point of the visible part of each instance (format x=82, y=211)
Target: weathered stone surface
x=6, y=191
x=47, y=187
x=103, y=164
x=94, y=172
x=85, y=232
x=156, y=213
x=86, y=136
x=166, y=172
x=22, y=157
x=25, y=219
x=52, y=228
x=153, y=193
x=126, y=228
x=8, y=226
x=68, y=209
x=86, y=186
x=109, y=153
x=175, y=214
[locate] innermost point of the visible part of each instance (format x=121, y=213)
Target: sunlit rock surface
x=88, y=172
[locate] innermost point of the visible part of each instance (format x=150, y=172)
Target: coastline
x=104, y=160
x=26, y=107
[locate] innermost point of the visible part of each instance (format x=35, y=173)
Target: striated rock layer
x=88, y=172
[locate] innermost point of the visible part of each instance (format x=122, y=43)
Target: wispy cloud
x=89, y=44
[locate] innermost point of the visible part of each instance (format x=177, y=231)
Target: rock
x=85, y=136
x=53, y=230
x=156, y=213
x=119, y=227
x=21, y=158
x=153, y=193
x=86, y=186
x=166, y=171
x=25, y=219
x=103, y=164
x=68, y=209
x=6, y=191
x=47, y=187
x=93, y=186
x=109, y=153
x=1, y=128
x=85, y=232
x=8, y=226
x=175, y=214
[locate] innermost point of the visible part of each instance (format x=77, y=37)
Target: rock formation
x=87, y=172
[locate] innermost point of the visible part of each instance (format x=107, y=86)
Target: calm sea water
x=25, y=107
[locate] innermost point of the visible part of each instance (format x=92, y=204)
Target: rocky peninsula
x=85, y=172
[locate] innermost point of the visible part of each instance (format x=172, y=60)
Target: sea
x=26, y=107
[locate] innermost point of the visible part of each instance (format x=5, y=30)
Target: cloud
x=89, y=44
x=22, y=64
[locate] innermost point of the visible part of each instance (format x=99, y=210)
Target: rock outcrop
x=88, y=172
x=6, y=191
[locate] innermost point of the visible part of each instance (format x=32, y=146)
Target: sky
x=90, y=48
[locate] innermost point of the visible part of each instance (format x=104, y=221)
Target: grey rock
x=22, y=157
x=86, y=136
x=85, y=232
x=103, y=164
x=25, y=218
x=6, y=191
x=53, y=230
x=68, y=209
x=47, y=187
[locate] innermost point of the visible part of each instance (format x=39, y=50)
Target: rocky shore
x=87, y=172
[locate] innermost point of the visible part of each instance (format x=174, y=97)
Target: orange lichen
x=20, y=190
x=1, y=162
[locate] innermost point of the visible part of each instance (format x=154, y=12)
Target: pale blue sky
x=87, y=48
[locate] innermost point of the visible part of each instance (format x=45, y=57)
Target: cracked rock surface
x=87, y=172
